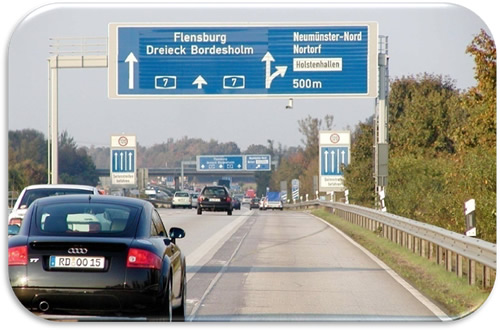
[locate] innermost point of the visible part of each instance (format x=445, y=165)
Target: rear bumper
x=274, y=206
x=208, y=206
x=88, y=301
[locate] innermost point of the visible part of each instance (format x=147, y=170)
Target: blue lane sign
x=258, y=162
x=162, y=61
x=123, y=161
x=219, y=163
x=333, y=159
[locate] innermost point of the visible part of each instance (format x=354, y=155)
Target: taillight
x=15, y=221
x=228, y=199
x=200, y=198
x=18, y=256
x=138, y=258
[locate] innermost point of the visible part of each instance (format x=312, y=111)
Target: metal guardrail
x=453, y=250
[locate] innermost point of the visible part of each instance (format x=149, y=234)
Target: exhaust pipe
x=43, y=306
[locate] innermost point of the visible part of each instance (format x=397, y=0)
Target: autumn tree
x=358, y=176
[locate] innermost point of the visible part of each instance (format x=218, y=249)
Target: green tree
x=421, y=109
x=358, y=175
x=310, y=127
x=75, y=166
x=27, y=159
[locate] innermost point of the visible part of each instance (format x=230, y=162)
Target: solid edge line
x=438, y=312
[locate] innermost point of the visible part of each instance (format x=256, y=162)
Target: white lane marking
x=421, y=298
x=208, y=247
x=215, y=280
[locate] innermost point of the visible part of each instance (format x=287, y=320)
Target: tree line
x=442, y=149
x=28, y=160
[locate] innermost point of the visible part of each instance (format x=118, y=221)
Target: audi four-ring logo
x=77, y=251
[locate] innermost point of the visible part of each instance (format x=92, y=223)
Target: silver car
x=194, y=200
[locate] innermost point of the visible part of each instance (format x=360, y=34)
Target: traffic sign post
x=295, y=189
x=334, y=155
x=169, y=61
x=123, y=159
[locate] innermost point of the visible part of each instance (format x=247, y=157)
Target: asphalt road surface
x=287, y=266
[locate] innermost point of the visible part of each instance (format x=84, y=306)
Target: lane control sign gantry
x=231, y=61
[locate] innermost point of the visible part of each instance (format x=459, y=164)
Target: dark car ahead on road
x=254, y=203
x=215, y=198
x=98, y=255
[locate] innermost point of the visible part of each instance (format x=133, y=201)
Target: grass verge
x=453, y=294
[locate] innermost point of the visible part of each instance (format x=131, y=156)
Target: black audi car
x=215, y=198
x=98, y=255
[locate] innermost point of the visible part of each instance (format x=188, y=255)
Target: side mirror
x=175, y=233
x=13, y=230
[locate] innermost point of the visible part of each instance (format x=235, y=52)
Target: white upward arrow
x=130, y=161
x=333, y=160
x=326, y=161
x=338, y=162
x=280, y=70
x=131, y=60
x=116, y=161
x=200, y=82
x=121, y=161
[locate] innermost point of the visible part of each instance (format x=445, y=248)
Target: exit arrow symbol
x=200, y=81
x=280, y=70
x=131, y=60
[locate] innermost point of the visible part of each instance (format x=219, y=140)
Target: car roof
x=129, y=201
x=62, y=186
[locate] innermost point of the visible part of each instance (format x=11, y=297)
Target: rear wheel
x=179, y=313
x=229, y=212
x=166, y=313
x=199, y=210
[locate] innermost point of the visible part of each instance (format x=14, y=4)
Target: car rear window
x=181, y=195
x=215, y=192
x=98, y=219
x=31, y=195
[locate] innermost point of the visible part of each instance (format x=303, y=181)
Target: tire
x=173, y=206
x=230, y=212
x=179, y=313
x=165, y=314
x=198, y=211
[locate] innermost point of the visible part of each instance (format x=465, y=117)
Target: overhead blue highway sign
x=258, y=162
x=164, y=61
x=219, y=163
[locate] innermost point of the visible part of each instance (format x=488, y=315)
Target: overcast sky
x=422, y=38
